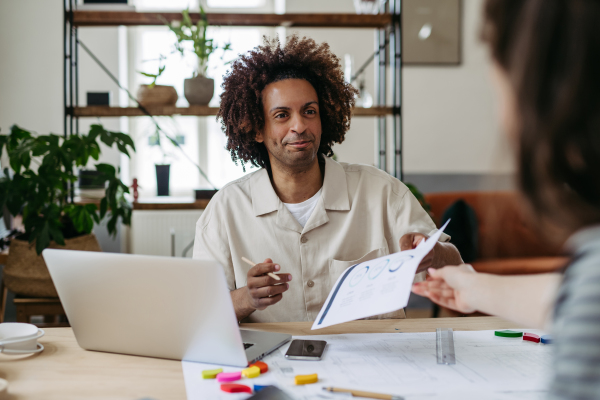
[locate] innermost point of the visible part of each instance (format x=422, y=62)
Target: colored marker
x=258, y=388
x=251, y=372
x=531, y=337
x=262, y=365
x=211, y=373
x=235, y=388
x=229, y=376
x=507, y=333
x=546, y=339
x=306, y=379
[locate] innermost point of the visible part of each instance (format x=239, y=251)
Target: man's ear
x=259, y=137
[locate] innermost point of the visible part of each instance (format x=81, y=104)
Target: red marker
x=531, y=337
x=235, y=388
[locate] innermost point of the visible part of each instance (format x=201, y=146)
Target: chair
x=50, y=308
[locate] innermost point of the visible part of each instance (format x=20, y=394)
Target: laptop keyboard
x=248, y=345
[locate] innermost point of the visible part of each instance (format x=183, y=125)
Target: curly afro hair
x=241, y=110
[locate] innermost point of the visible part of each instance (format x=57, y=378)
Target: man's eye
x=311, y=111
x=281, y=115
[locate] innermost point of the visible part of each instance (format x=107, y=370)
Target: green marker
x=211, y=373
x=508, y=333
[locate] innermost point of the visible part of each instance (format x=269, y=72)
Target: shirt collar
x=335, y=187
x=335, y=190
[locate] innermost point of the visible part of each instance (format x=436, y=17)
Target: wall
x=452, y=140
x=450, y=124
x=31, y=65
x=31, y=78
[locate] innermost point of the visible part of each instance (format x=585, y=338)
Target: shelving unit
x=133, y=18
x=387, y=24
x=200, y=111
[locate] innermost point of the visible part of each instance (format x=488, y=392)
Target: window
x=202, y=139
x=235, y=3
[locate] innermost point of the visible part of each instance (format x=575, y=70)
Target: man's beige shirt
x=361, y=215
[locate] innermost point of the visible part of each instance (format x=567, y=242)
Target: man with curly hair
x=303, y=213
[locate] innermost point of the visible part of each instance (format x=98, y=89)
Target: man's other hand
x=410, y=241
x=262, y=290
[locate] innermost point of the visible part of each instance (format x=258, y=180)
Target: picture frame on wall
x=431, y=32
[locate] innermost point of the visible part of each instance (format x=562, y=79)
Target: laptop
x=175, y=308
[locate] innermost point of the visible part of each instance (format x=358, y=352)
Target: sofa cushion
x=462, y=229
x=503, y=229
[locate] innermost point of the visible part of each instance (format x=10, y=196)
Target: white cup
x=20, y=338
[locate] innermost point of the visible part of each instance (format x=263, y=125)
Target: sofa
x=507, y=242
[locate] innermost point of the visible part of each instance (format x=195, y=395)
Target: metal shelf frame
x=388, y=47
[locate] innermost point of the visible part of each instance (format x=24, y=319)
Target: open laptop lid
x=162, y=307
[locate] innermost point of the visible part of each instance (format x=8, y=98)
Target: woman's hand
x=450, y=287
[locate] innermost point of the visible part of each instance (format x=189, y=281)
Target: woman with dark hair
x=546, y=64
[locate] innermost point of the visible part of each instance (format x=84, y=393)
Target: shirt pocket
x=337, y=267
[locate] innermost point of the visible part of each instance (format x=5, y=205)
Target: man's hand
x=451, y=287
x=410, y=241
x=261, y=290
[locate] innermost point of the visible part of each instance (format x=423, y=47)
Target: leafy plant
x=39, y=186
x=186, y=31
x=154, y=77
x=420, y=197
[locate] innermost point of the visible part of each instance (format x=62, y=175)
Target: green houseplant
x=198, y=89
x=39, y=187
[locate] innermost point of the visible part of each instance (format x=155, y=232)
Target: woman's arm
x=525, y=299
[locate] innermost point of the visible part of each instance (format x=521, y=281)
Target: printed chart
x=487, y=367
x=374, y=287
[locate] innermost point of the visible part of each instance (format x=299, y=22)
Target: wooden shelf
x=103, y=111
x=193, y=205
x=134, y=18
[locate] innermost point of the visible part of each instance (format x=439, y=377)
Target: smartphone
x=306, y=349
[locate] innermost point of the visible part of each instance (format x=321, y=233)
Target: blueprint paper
x=487, y=367
x=374, y=287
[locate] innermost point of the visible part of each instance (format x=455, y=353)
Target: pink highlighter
x=229, y=376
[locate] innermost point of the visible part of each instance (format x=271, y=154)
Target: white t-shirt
x=302, y=211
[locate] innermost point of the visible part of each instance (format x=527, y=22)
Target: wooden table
x=65, y=371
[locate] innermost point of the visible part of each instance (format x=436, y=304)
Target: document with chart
x=374, y=287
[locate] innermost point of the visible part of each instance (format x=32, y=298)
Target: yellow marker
x=211, y=373
x=306, y=379
x=251, y=372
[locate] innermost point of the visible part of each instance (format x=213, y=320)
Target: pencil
x=360, y=393
x=272, y=275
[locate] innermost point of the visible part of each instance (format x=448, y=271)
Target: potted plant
x=156, y=95
x=39, y=187
x=199, y=89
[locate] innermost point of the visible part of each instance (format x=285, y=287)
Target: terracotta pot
x=158, y=95
x=199, y=90
x=26, y=273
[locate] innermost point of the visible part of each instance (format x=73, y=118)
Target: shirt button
x=310, y=283
x=304, y=239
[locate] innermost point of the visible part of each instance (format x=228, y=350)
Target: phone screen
x=306, y=349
